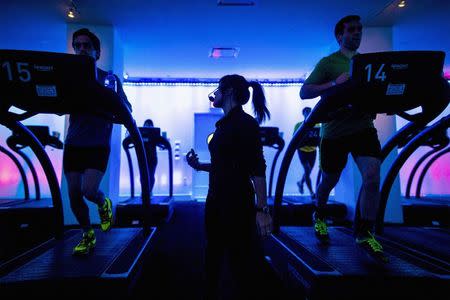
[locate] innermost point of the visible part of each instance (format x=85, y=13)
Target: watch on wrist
x=333, y=83
x=264, y=209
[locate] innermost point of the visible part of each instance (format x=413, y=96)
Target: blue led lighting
x=139, y=81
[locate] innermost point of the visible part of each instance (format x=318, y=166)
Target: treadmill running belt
x=58, y=262
x=432, y=240
x=345, y=256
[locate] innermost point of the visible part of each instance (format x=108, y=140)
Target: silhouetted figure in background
x=307, y=155
x=152, y=157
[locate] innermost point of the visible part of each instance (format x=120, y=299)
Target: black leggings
x=307, y=159
x=232, y=238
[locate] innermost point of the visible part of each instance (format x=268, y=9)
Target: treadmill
x=62, y=84
x=129, y=211
x=296, y=210
x=340, y=270
x=428, y=210
x=27, y=222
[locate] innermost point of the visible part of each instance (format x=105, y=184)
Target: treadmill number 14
x=380, y=75
x=22, y=69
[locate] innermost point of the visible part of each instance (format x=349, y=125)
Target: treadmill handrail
x=399, y=162
x=17, y=143
x=279, y=146
x=405, y=134
x=426, y=168
x=414, y=170
x=292, y=147
x=29, y=163
x=161, y=142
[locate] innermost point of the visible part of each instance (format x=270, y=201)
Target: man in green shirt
x=349, y=132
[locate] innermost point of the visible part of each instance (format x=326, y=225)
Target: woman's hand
x=264, y=223
x=192, y=159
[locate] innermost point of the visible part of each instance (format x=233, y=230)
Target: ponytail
x=259, y=102
x=242, y=94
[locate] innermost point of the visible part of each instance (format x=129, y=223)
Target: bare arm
x=309, y=91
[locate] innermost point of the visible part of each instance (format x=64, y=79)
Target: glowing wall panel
x=172, y=108
x=11, y=185
x=438, y=176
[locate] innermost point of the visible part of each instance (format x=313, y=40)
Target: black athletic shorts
x=78, y=159
x=334, y=152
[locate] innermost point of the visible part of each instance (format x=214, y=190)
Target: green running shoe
x=86, y=244
x=106, y=215
x=321, y=230
x=372, y=248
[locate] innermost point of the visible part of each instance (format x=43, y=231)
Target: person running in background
x=152, y=157
x=307, y=155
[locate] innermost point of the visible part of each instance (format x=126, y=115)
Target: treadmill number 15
x=22, y=69
x=380, y=75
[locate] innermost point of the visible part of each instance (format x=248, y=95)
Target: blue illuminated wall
x=172, y=109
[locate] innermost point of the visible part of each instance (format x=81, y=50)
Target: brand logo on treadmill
x=399, y=66
x=43, y=68
x=46, y=91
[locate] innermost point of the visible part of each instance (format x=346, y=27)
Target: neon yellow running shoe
x=106, y=215
x=321, y=230
x=372, y=247
x=86, y=244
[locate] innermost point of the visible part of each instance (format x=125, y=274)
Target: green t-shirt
x=329, y=68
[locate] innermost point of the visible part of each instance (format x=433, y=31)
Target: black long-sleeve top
x=236, y=155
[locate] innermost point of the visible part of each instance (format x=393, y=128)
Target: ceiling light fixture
x=70, y=14
x=402, y=4
x=73, y=11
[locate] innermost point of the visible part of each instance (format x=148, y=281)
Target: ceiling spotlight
x=402, y=4
x=72, y=12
